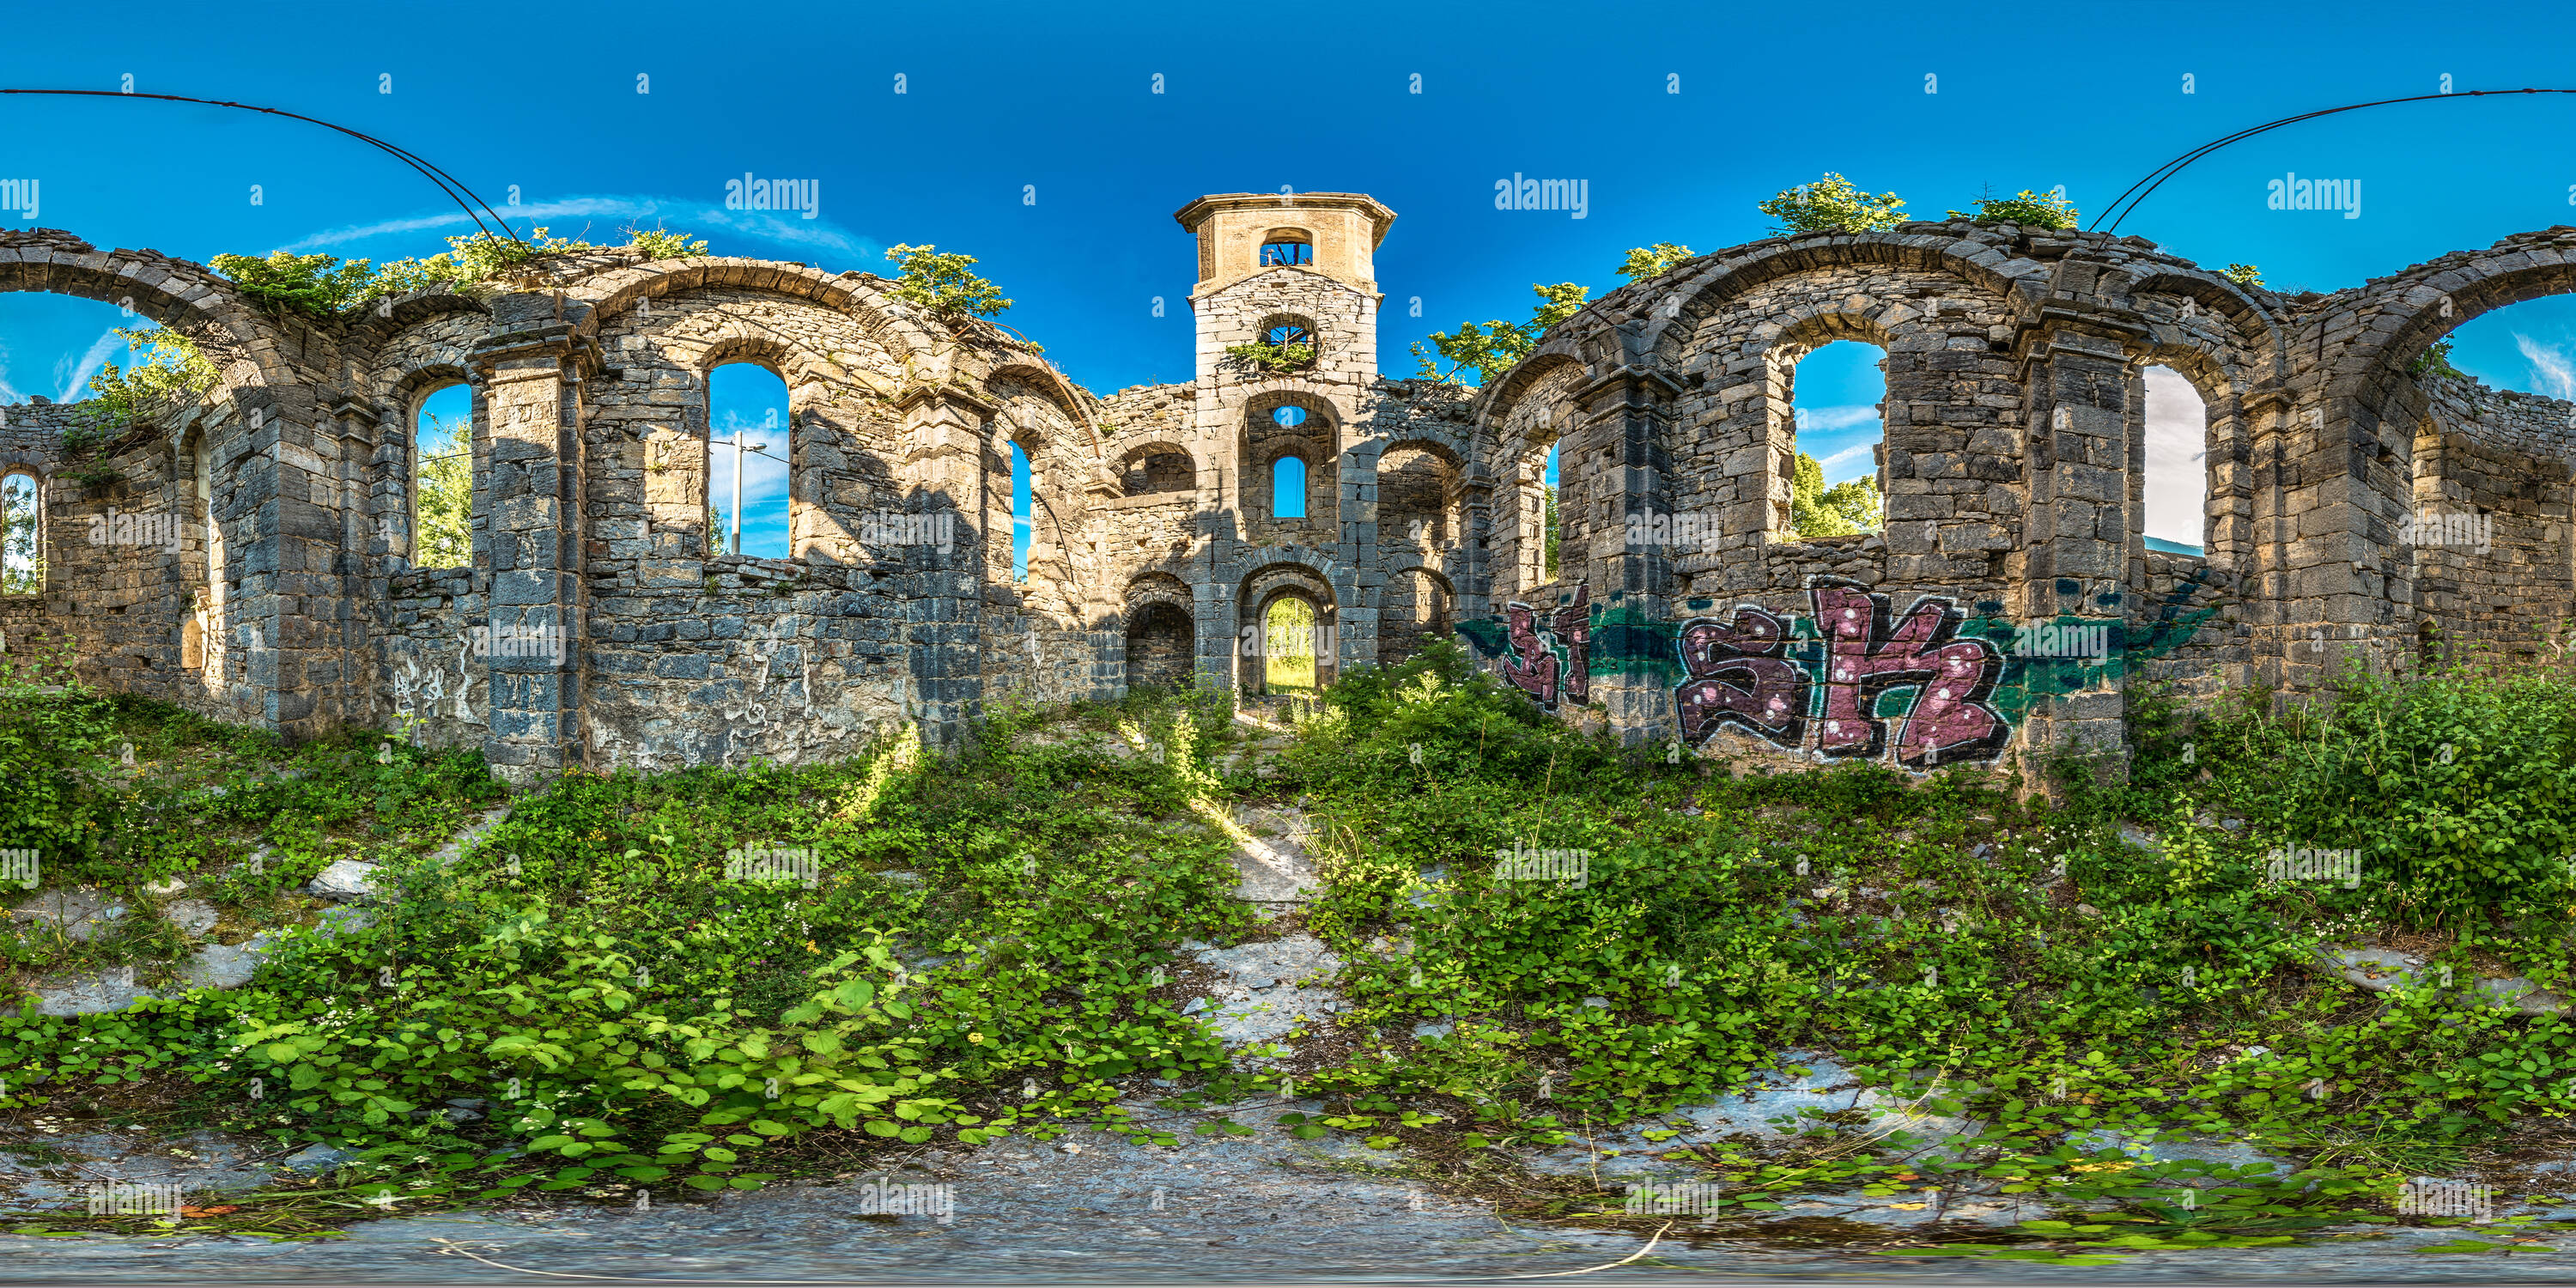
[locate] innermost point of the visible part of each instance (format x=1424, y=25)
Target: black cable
x=448, y=184
x=2156, y=178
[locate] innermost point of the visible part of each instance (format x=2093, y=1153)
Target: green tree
x=1551, y=529
x=2245, y=275
x=941, y=284
x=1491, y=350
x=169, y=373
x=445, y=489
x=1652, y=261
x=1832, y=205
x=2024, y=207
x=20, y=571
x=1838, y=511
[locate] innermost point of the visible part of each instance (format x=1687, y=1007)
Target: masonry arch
x=1524, y=420
x=1686, y=308
x=1157, y=468
x=1059, y=467
x=446, y=460
x=2193, y=405
x=1161, y=634
x=749, y=428
x=184, y=297
x=1421, y=497
x=1285, y=575
x=1285, y=423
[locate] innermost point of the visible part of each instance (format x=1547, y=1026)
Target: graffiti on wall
x=1742, y=674
x=1535, y=668
x=1842, y=676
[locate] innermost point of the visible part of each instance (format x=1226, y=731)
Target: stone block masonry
x=253, y=558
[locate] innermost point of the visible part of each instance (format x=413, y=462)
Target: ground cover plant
x=621, y=987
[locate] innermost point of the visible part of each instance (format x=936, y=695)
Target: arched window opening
x=1287, y=247
x=1418, y=500
x=748, y=450
x=1836, y=486
x=1288, y=488
x=1151, y=470
x=1020, y=498
x=1547, y=520
x=1288, y=645
x=442, y=491
x=2177, y=464
x=22, y=528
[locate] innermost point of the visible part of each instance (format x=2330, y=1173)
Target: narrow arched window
x=443, y=479
x=1288, y=488
x=22, y=528
x=748, y=450
x=1020, y=497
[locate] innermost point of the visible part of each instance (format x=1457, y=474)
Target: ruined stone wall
x=2008, y=605
x=2489, y=528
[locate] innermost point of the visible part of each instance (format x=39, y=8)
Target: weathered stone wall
x=254, y=558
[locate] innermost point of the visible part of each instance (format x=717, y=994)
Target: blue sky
x=1030, y=137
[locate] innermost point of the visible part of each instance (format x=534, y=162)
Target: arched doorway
x=1288, y=645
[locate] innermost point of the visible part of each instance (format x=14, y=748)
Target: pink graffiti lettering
x=1574, y=631
x=1949, y=720
x=1738, y=677
x=1532, y=666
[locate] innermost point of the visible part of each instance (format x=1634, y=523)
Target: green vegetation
x=1832, y=205
x=322, y=286
x=991, y=944
x=942, y=284
x=1276, y=359
x=2051, y=210
x=2245, y=275
x=1495, y=347
x=1645, y=262
x=2435, y=360
x=1838, y=511
x=444, y=508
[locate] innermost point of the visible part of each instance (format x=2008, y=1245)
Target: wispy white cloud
x=1849, y=463
x=2551, y=368
x=76, y=385
x=698, y=218
x=1825, y=420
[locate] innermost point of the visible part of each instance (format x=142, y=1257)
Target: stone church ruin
x=1194, y=533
